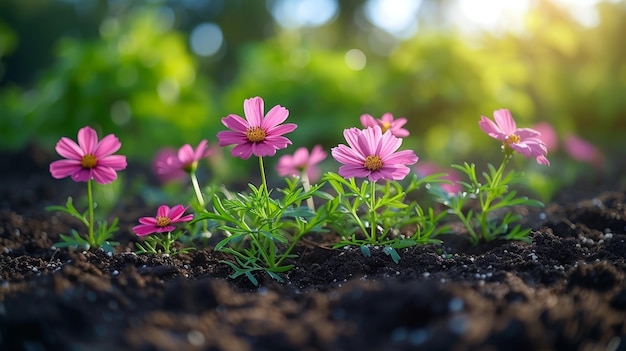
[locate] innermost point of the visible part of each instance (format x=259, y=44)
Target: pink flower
x=89, y=159
x=582, y=150
x=160, y=166
x=386, y=123
x=257, y=134
x=548, y=135
x=372, y=154
x=289, y=165
x=172, y=165
x=428, y=168
x=163, y=221
x=526, y=141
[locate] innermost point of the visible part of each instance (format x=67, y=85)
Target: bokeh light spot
x=206, y=39
x=120, y=112
x=355, y=59
x=303, y=13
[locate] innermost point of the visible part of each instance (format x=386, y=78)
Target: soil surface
x=565, y=290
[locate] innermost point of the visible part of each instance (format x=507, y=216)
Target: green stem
x=263, y=180
x=196, y=188
x=486, y=203
x=372, y=209
x=91, y=239
x=306, y=184
x=266, y=245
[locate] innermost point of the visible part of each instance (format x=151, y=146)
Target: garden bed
x=565, y=290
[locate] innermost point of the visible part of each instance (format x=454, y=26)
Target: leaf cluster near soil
x=565, y=290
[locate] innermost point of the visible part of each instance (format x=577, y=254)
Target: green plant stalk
x=196, y=188
x=91, y=238
x=265, y=243
x=372, y=209
x=485, y=204
x=306, y=185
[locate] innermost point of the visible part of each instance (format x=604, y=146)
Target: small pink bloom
x=161, y=166
x=526, y=141
x=582, y=150
x=289, y=165
x=428, y=168
x=372, y=154
x=163, y=222
x=257, y=134
x=548, y=135
x=386, y=123
x=89, y=159
x=170, y=165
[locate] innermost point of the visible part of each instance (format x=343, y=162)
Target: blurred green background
x=163, y=73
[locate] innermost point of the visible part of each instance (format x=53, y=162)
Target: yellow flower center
x=255, y=134
x=373, y=163
x=513, y=139
x=163, y=221
x=385, y=126
x=89, y=161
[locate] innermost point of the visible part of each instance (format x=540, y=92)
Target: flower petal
x=64, y=168
x=143, y=230
x=103, y=175
x=274, y=117
x=491, y=129
x=67, y=148
x=368, y=121
x=116, y=162
x=82, y=175
x=403, y=157
x=253, y=109
x=175, y=212
x=505, y=121
x=87, y=139
x=236, y=123
x=163, y=211
x=346, y=155
x=388, y=145
x=281, y=129
x=227, y=137
x=354, y=171
x=243, y=151
x=107, y=146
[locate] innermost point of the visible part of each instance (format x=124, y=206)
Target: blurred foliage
x=130, y=72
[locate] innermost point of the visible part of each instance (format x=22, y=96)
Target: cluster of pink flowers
x=370, y=153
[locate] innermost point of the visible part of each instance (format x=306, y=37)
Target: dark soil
x=563, y=291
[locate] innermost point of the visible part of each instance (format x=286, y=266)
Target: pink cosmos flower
x=582, y=150
x=163, y=221
x=89, y=159
x=289, y=165
x=173, y=165
x=526, y=141
x=386, y=123
x=257, y=134
x=548, y=135
x=372, y=154
x=159, y=166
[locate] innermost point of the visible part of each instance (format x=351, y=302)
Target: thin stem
x=263, y=180
x=486, y=203
x=372, y=209
x=306, y=184
x=196, y=189
x=91, y=238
